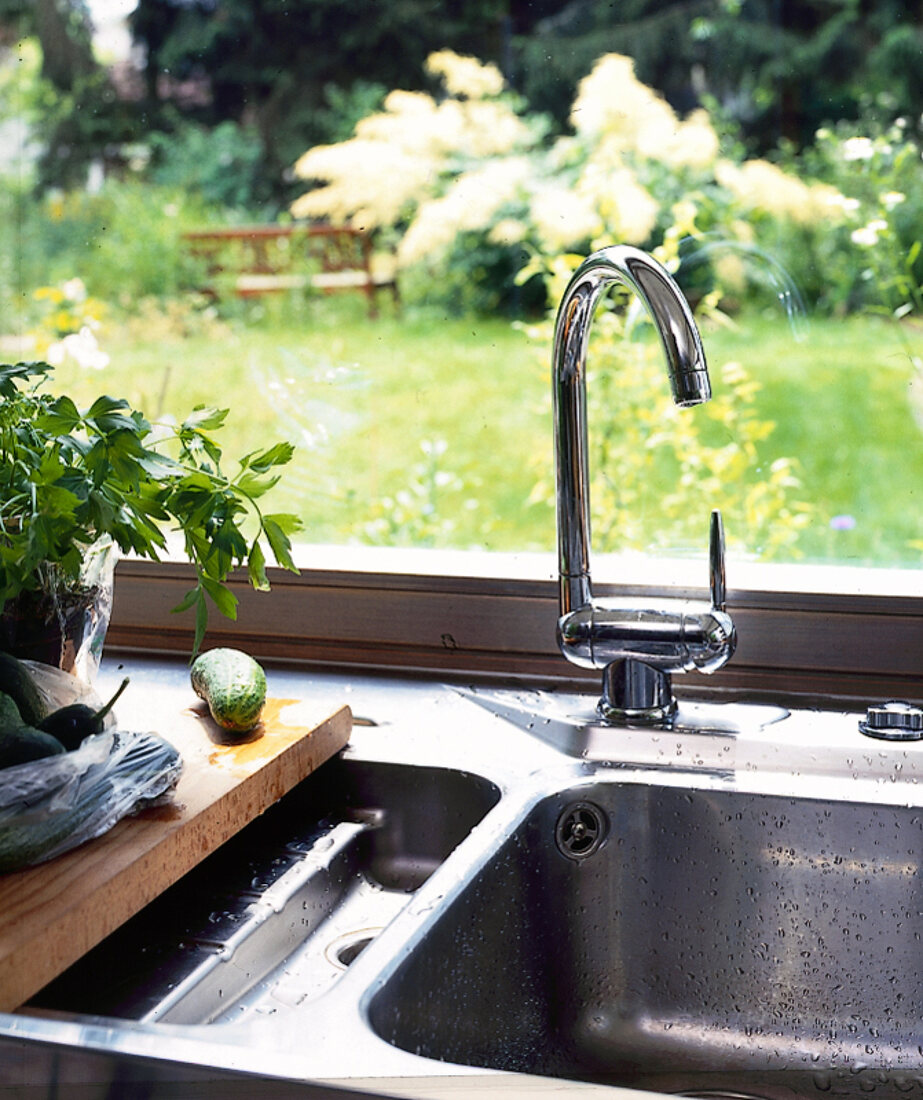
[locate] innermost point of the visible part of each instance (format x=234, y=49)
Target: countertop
x=378, y=702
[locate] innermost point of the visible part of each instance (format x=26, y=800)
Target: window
x=788, y=205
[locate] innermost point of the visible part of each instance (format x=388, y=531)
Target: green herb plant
x=69, y=477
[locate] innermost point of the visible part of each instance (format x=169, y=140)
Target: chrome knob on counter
x=893, y=721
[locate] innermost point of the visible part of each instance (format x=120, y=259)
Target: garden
x=430, y=424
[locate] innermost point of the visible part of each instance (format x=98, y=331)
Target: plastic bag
x=57, y=689
x=60, y=625
x=51, y=805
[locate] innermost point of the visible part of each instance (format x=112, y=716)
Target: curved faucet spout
x=669, y=639
x=686, y=366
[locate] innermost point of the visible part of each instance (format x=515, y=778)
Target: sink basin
x=729, y=908
x=706, y=942
x=275, y=917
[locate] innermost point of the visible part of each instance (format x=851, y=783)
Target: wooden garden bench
x=249, y=261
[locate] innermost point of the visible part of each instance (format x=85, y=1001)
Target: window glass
x=768, y=155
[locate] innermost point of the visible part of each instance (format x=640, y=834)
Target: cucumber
x=21, y=743
x=25, y=744
x=24, y=844
x=233, y=685
x=139, y=768
x=10, y=718
x=16, y=682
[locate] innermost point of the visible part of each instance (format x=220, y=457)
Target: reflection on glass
x=795, y=234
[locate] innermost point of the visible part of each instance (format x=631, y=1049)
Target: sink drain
x=580, y=830
x=353, y=950
x=347, y=948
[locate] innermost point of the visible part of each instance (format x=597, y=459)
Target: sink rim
x=442, y=928
x=497, y=750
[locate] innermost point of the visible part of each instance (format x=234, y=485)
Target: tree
x=778, y=68
x=81, y=114
x=65, y=32
x=272, y=63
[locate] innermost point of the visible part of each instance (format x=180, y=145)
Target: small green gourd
x=233, y=685
x=24, y=744
x=21, y=743
x=16, y=682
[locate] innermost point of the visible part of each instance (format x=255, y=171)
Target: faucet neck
x=685, y=359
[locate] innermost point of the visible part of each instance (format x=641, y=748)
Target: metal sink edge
x=526, y=764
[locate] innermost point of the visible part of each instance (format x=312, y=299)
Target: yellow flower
x=507, y=231
x=625, y=209
x=465, y=76
x=470, y=203
x=563, y=218
x=684, y=214
x=492, y=129
x=693, y=143
x=48, y=293
x=407, y=117
x=353, y=172
x=612, y=103
x=620, y=114
x=760, y=185
x=410, y=146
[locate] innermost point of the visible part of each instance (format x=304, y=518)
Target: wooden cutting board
x=52, y=914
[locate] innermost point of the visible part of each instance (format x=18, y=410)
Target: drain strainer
x=346, y=948
x=580, y=830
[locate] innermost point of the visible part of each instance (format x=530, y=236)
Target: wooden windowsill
x=486, y=616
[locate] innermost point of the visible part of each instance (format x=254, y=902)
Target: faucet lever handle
x=716, y=578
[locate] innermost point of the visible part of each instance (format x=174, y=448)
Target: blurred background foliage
x=503, y=139
x=296, y=73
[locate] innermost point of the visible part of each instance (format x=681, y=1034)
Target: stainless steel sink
x=274, y=918
x=709, y=942
x=488, y=881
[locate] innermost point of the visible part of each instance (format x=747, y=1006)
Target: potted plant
x=78, y=486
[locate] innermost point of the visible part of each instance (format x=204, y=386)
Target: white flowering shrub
x=476, y=192
x=475, y=189
x=875, y=259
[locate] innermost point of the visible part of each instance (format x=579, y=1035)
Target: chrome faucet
x=639, y=644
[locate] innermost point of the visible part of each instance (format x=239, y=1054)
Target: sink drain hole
x=351, y=951
x=345, y=949
x=580, y=830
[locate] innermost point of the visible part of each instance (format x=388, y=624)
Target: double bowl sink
x=732, y=908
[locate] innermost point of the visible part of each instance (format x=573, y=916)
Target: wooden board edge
x=114, y=905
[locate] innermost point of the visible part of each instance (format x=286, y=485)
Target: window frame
x=437, y=614
x=843, y=641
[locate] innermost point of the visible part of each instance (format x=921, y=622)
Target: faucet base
x=637, y=694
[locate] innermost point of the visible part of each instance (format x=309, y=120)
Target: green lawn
x=841, y=399
x=360, y=397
